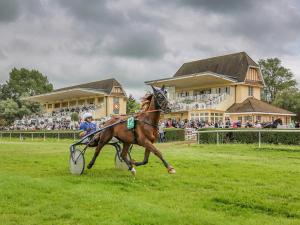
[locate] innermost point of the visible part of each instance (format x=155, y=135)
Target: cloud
x=8, y=10
x=76, y=41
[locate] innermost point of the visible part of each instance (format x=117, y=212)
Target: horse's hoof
x=171, y=170
x=133, y=171
x=89, y=166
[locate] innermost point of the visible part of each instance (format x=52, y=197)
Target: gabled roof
x=102, y=85
x=253, y=105
x=233, y=65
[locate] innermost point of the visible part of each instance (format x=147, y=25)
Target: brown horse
x=144, y=132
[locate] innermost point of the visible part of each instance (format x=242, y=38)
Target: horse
x=144, y=133
x=274, y=124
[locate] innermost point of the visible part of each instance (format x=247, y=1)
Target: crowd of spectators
x=56, y=120
x=197, y=124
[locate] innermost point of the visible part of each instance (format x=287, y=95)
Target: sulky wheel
x=77, y=162
x=119, y=162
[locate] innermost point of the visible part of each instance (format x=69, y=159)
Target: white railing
x=38, y=135
x=259, y=131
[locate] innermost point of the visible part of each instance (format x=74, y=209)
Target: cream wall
x=228, y=101
x=242, y=93
x=98, y=100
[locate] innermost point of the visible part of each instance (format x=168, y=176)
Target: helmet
x=87, y=115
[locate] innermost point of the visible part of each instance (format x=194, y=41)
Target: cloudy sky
x=76, y=41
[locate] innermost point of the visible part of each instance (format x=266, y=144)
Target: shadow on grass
x=229, y=204
x=279, y=149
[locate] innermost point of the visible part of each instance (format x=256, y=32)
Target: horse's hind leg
x=156, y=152
x=145, y=161
x=103, y=140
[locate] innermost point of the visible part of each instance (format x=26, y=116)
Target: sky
x=78, y=41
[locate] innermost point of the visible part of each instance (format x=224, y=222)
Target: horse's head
x=161, y=100
x=278, y=121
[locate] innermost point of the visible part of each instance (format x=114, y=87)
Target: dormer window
x=117, y=90
x=250, y=91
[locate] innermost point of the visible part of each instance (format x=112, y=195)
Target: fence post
x=259, y=139
x=10, y=136
x=74, y=136
x=20, y=137
x=218, y=138
x=44, y=136
x=58, y=136
x=32, y=136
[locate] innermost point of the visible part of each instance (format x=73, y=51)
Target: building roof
x=102, y=85
x=232, y=65
x=253, y=105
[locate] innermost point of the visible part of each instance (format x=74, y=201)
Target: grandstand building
x=101, y=98
x=216, y=88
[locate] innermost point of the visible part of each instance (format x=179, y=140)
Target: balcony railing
x=205, y=101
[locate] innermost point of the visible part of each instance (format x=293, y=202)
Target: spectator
x=161, y=132
x=227, y=123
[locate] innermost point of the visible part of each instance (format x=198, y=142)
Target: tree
x=132, y=105
x=22, y=83
x=8, y=110
x=75, y=116
x=290, y=100
x=277, y=78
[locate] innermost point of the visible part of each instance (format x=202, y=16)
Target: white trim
x=63, y=91
x=224, y=77
x=265, y=113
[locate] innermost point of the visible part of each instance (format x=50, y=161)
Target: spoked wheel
x=77, y=162
x=119, y=162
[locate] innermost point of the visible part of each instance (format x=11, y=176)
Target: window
x=117, y=90
x=227, y=90
x=258, y=118
x=81, y=102
x=57, y=105
x=250, y=91
x=91, y=101
x=72, y=103
x=49, y=106
x=248, y=118
x=64, y=104
x=240, y=118
x=116, y=105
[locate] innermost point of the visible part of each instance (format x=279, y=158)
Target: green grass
x=229, y=184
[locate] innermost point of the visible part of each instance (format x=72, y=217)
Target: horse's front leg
x=156, y=152
x=145, y=161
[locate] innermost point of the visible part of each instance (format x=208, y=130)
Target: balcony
x=204, y=101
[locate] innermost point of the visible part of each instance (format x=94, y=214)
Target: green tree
x=277, y=78
x=23, y=83
x=289, y=99
x=9, y=110
x=74, y=116
x=132, y=105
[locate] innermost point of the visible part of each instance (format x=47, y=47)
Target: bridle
x=160, y=100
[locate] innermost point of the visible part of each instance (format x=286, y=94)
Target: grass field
x=229, y=184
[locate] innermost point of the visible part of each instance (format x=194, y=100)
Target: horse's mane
x=145, y=102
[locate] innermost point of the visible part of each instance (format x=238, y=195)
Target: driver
x=87, y=126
